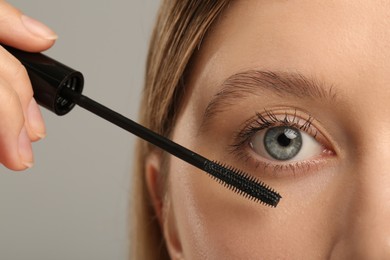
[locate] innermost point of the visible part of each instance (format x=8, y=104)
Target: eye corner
x=329, y=152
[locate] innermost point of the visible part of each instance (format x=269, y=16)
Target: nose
x=365, y=233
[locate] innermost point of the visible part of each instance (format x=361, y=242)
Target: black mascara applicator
x=58, y=88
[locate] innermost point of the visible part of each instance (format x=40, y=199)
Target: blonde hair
x=179, y=29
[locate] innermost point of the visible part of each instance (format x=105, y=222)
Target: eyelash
x=269, y=119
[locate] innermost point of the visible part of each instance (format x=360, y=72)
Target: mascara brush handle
x=58, y=88
x=48, y=77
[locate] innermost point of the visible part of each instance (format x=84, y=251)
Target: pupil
x=283, y=140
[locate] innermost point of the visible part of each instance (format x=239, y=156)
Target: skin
x=20, y=116
x=337, y=209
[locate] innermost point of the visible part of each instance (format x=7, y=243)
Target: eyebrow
x=257, y=82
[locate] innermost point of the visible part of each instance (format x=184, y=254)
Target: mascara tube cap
x=48, y=77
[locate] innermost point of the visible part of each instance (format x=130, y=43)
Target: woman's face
x=297, y=94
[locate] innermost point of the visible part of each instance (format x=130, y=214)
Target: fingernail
x=38, y=28
x=25, y=149
x=35, y=119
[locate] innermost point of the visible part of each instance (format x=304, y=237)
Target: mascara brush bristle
x=242, y=183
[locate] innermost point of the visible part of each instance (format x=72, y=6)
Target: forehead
x=334, y=40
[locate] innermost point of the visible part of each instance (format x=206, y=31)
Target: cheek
x=214, y=222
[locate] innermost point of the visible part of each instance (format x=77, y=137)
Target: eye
x=284, y=143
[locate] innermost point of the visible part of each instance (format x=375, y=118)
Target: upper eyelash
x=261, y=122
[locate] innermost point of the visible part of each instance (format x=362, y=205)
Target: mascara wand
x=58, y=88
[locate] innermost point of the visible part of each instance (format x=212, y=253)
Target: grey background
x=73, y=204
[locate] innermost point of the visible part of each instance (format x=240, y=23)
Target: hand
x=20, y=118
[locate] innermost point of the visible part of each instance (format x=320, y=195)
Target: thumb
x=22, y=32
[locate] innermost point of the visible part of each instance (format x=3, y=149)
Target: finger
x=15, y=146
x=15, y=74
x=22, y=32
x=36, y=126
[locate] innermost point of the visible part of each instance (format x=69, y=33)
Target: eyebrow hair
x=257, y=82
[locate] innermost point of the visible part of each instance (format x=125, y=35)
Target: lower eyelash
x=278, y=169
